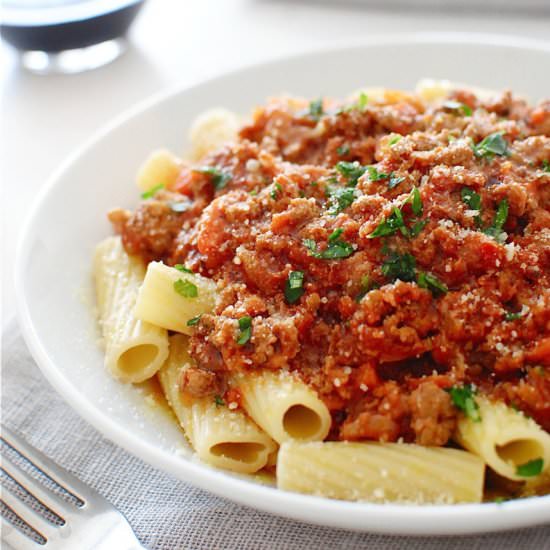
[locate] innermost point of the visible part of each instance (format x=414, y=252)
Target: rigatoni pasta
x=381, y=472
x=171, y=298
x=134, y=349
x=286, y=408
x=505, y=439
x=221, y=437
x=353, y=289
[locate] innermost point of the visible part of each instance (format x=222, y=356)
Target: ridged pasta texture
x=160, y=303
x=381, y=472
x=504, y=438
x=160, y=168
x=284, y=406
x=134, y=349
x=224, y=438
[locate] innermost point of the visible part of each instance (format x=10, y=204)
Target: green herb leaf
x=458, y=107
x=432, y=283
x=219, y=401
x=218, y=178
x=245, y=327
x=463, y=399
x=546, y=165
x=390, y=225
x=182, y=268
x=186, y=288
x=416, y=202
x=343, y=150
x=473, y=201
x=375, y=175
x=510, y=316
x=336, y=249
x=294, y=286
x=150, y=193
x=501, y=216
x=351, y=171
x=399, y=266
x=316, y=109
x=274, y=192
x=471, y=198
x=493, y=144
x=417, y=227
x=194, y=320
x=394, y=139
x=395, y=181
x=362, y=101
x=530, y=469
x=340, y=198
x=366, y=286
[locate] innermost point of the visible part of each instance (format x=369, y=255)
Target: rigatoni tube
x=380, y=472
x=134, y=349
x=171, y=298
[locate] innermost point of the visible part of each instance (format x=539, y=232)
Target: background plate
x=53, y=268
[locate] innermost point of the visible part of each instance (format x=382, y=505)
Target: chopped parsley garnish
x=351, y=171
x=511, y=316
x=390, y=225
x=395, y=181
x=180, y=206
x=473, y=201
x=316, y=109
x=194, y=321
x=343, y=150
x=336, y=248
x=530, y=469
x=275, y=191
x=417, y=227
x=362, y=101
x=335, y=235
x=458, y=107
x=294, y=286
x=416, y=202
x=245, y=328
x=218, y=177
x=546, y=165
x=501, y=216
x=150, y=193
x=493, y=144
x=182, y=268
x=463, y=399
x=432, y=283
x=399, y=266
x=499, y=500
x=186, y=288
x=394, y=139
x=219, y=401
x=366, y=286
x=253, y=192
x=375, y=175
x=340, y=198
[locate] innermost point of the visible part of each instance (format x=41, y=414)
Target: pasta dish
x=353, y=294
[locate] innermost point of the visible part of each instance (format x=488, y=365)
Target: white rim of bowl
x=378, y=518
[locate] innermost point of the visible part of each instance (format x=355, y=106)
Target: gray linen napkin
x=169, y=514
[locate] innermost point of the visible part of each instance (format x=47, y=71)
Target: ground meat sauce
x=421, y=239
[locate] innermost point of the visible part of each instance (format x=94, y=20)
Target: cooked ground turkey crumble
x=418, y=240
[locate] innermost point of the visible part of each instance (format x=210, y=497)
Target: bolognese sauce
x=384, y=251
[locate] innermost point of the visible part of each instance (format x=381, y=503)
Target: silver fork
x=91, y=524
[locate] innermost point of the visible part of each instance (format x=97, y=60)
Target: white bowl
x=53, y=275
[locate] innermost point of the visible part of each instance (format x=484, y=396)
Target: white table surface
x=182, y=41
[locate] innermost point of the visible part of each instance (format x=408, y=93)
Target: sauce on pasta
x=387, y=251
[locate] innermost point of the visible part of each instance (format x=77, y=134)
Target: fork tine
x=52, y=501
x=43, y=463
x=31, y=517
x=15, y=538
